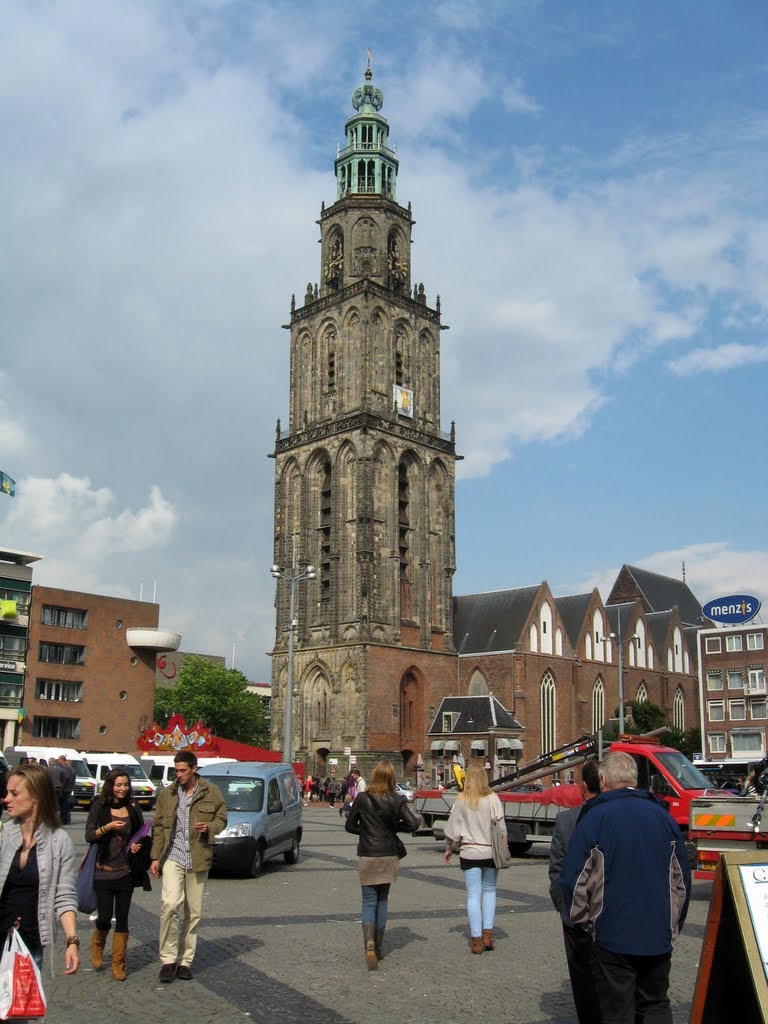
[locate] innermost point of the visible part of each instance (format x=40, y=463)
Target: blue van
x=263, y=815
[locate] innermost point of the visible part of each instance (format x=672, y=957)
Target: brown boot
x=379, y=943
x=119, y=946
x=488, y=938
x=477, y=943
x=98, y=939
x=369, y=938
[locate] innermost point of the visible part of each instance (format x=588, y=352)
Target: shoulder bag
x=502, y=858
x=86, y=897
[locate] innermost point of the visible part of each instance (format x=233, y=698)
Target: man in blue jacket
x=627, y=881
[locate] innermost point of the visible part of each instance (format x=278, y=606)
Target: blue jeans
x=375, y=899
x=480, y=883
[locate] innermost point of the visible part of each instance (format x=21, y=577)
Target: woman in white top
x=470, y=824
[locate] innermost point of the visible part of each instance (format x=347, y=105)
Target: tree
x=216, y=696
x=645, y=717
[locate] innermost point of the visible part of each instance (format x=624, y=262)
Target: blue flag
x=7, y=485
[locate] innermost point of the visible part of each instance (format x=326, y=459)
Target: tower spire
x=366, y=165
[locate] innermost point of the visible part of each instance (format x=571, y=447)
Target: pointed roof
x=658, y=593
x=366, y=165
x=485, y=623
x=476, y=714
x=573, y=610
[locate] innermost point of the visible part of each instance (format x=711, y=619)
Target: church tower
x=364, y=480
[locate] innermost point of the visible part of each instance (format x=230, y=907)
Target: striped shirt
x=179, y=850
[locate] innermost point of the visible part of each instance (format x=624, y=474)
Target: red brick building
x=86, y=687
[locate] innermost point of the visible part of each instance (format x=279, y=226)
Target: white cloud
x=712, y=569
x=718, y=360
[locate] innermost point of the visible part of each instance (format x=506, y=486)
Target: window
x=716, y=742
x=548, y=713
x=754, y=641
x=757, y=708
x=714, y=680
x=716, y=710
x=449, y=720
x=68, y=618
x=331, y=369
x=734, y=642
x=57, y=728
x=678, y=710
x=62, y=654
x=58, y=689
x=712, y=645
x=598, y=705
x=746, y=741
x=735, y=678
x=21, y=599
x=642, y=694
x=11, y=694
x=756, y=680
x=12, y=647
x=737, y=709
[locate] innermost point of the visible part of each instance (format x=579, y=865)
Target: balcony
x=148, y=639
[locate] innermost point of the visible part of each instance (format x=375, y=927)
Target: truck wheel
x=257, y=863
x=518, y=849
x=292, y=855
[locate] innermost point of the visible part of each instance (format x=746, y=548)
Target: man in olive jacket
x=189, y=813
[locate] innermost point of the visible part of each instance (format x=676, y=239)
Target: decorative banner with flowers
x=176, y=736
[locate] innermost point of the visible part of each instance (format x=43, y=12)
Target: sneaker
x=167, y=972
x=183, y=973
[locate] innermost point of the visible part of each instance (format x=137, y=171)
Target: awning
x=451, y=746
x=478, y=745
x=508, y=743
x=437, y=745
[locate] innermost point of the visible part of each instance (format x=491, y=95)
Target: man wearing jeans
x=189, y=813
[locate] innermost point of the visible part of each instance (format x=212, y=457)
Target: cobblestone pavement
x=287, y=947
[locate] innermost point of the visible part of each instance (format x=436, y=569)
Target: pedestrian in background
x=113, y=819
x=377, y=815
x=627, y=880
x=358, y=781
x=579, y=944
x=67, y=788
x=470, y=824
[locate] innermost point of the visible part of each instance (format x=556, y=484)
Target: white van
x=159, y=767
x=144, y=791
x=85, y=787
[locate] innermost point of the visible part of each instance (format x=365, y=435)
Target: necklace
x=27, y=844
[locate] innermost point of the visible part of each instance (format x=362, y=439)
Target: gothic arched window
x=678, y=710
x=548, y=713
x=598, y=705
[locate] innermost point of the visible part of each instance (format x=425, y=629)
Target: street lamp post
x=620, y=644
x=293, y=577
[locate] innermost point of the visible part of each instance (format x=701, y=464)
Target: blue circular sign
x=734, y=610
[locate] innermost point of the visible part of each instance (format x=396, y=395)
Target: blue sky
x=588, y=185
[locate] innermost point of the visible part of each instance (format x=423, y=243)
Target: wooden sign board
x=732, y=981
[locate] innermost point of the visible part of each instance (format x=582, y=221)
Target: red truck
x=530, y=816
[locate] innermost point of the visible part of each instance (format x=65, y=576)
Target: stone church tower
x=364, y=480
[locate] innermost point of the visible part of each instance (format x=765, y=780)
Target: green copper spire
x=366, y=166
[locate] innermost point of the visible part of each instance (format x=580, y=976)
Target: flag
x=7, y=485
x=20, y=714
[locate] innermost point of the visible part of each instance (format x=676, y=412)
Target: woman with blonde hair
x=470, y=824
x=37, y=867
x=377, y=815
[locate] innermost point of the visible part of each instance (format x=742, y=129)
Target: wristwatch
x=73, y=940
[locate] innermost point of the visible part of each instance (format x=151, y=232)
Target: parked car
x=101, y=764
x=404, y=789
x=263, y=815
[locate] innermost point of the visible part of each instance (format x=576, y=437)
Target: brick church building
x=364, y=493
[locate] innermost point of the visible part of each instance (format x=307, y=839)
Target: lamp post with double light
x=293, y=577
x=617, y=639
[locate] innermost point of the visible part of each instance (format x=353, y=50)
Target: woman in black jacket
x=377, y=815
x=113, y=820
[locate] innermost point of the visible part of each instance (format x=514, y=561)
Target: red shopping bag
x=21, y=988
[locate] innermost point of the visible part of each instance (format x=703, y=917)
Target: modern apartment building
x=15, y=595
x=734, y=713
